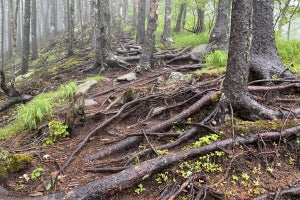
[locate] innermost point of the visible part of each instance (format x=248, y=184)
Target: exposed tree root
x=127, y=178
x=101, y=126
x=290, y=192
x=14, y=100
x=160, y=127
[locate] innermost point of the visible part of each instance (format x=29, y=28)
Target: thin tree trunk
x=2, y=34
x=70, y=4
x=180, y=16
x=140, y=34
x=135, y=14
x=53, y=18
x=200, y=27
x=34, y=52
x=290, y=20
x=79, y=6
x=166, y=35
x=26, y=33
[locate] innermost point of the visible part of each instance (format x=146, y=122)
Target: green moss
x=215, y=98
x=210, y=70
x=10, y=163
x=261, y=125
x=99, y=79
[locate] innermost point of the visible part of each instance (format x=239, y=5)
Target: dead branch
x=294, y=191
x=14, y=100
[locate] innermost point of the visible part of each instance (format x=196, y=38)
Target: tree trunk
x=2, y=34
x=103, y=45
x=70, y=5
x=146, y=60
x=34, y=52
x=135, y=14
x=79, y=7
x=200, y=27
x=180, y=16
x=26, y=32
x=219, y=37
x=265, y=62
x=125, y=12
x=140, y=34
x=166, y=35
x=53, y=18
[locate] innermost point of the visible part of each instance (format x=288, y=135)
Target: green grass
x=185, y=38
x=289, y=52
x=217, y=59
x=38, y=109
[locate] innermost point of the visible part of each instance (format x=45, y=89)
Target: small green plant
x=140, y=189
x=217, y=59
x=57, y=131
x=245, y=176
x=162, y=177
x=96, y=78
x=36, y=173
x=162, y=152
x=291, y=160
x=235, y=179
x=269, y=169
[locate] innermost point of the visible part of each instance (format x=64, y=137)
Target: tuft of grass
x=289, y=52
x=38, y=109
x=217, y=59
x=185, y=38
x=99, y=79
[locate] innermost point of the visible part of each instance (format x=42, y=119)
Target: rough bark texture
x=166, y=35
x=219, y=37
x=103, y=45
x=34, y=52
x=26, y=32
x=179, y=17
x=265, y=62
x=140, y=34
x=146, y=60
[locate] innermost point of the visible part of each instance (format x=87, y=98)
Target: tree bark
x=70, y=7
x=166, y=35
x=200, y=27
x=53, y=18
x=146, y=60
x=140, y=34
x=26, y=32
x=34, y=52
x=2, y=34
x=103, y=44
x=219, y=37
x=135, y=14
x=265, y=62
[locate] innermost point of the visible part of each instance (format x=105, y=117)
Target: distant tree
x=140, y=32
x=2, y=34
x=180, y=17
x=26, y=33
x=79, y=7
x=135, y=14
x=53, y=18
x=200, y=26
x=70, y=7
x=219, y=37
x=146, y=60
x=34, y=52
x=166, y=35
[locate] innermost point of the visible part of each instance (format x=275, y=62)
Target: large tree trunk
x=26, y=32
x=34, y=52
x=140, y=34
x=166, y=35
x=180, y=16
x=146, y=60
x=219, y=37
x=265, y=62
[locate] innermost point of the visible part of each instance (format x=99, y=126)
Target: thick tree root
x=127, y=178
x=290, y=192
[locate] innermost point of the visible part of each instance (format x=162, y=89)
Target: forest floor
x=236, y=172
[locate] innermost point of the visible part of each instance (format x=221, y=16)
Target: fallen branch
x=274, y=88
x=294, y=191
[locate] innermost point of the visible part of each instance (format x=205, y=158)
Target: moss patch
x=10, y=163
x=261, y=125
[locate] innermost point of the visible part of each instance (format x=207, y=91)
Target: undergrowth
x=38, y=109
